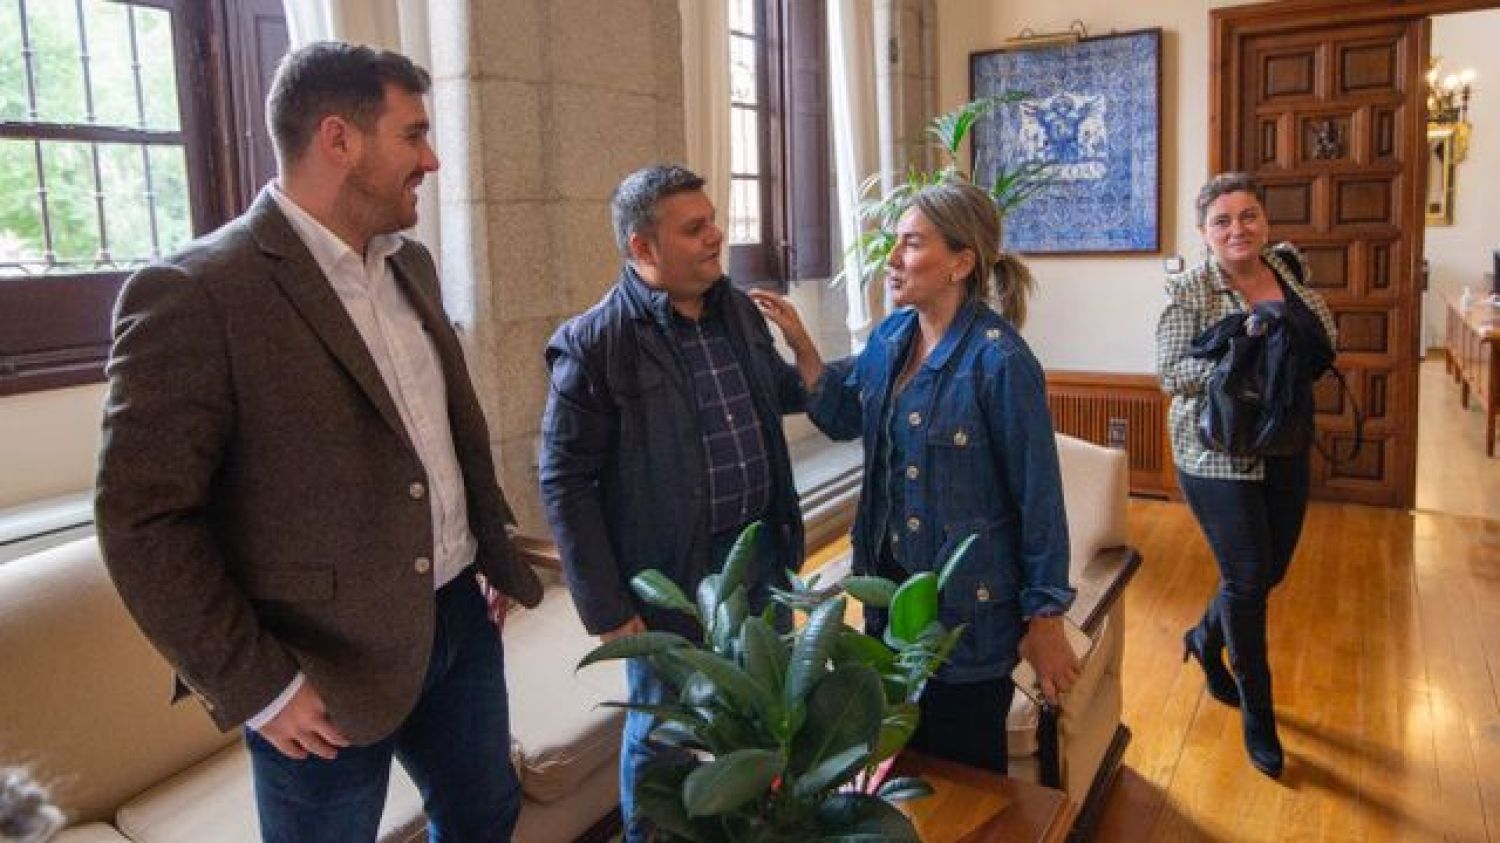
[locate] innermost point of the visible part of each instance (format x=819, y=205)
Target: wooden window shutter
x=808, y=182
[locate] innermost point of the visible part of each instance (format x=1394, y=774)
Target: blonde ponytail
x=1010, y=288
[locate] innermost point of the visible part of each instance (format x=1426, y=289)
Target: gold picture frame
x=1442, y=152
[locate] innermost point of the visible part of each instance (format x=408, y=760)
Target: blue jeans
x=646, y=688
x=455, y=744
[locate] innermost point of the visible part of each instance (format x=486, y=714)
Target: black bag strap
x=1359, y=425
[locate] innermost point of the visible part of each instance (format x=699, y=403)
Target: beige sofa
x=1090, y=737
x=84, y=704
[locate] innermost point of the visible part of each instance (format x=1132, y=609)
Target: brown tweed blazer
x=255, y=497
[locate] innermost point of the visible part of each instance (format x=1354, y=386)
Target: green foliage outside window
x=53, y=31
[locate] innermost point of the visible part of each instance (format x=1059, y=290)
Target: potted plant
x=780, y=732
x=878, y=213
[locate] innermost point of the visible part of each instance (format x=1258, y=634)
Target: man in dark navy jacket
x=662, y=437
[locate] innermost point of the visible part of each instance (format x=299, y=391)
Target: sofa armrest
x=537, y=552
x=1101, y=584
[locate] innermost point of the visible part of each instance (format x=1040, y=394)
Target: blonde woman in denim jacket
x=952, y=408
x=1250, y=508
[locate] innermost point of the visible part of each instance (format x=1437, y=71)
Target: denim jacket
x=981, y=459
x=622, y=467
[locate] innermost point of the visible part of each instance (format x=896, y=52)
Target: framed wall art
x=1093, y=118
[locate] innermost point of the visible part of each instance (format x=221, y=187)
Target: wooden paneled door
x=1328, y=114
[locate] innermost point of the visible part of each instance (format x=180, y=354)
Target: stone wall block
x=598, y=136
x=511, y=138
x=519, y=245
x=606, y=44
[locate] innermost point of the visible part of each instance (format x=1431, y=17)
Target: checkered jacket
x=1197, y=299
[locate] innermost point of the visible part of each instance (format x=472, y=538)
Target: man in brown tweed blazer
x=296, y=486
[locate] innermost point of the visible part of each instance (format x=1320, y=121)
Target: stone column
x=542, y=106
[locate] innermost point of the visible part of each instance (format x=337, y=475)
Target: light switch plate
x=1172, y=263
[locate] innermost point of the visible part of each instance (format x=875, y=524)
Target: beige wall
x=1099, y=313
x=1460, y=254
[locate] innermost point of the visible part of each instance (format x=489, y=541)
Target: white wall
x=1460, y=254
x=47, y=443
x=1099, y=313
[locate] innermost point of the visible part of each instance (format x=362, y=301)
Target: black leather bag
x=1260, y=391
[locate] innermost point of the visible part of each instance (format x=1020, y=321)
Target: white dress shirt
x=409, y=365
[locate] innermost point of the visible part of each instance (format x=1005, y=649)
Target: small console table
x=1473, y=356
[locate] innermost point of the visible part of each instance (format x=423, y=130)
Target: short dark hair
x=332, y=77
x=632, y=206
x=1222, y=185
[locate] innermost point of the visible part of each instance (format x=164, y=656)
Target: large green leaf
x=708, y=603
x=858, y=648
x=730, y=613
x=875, y=592
x=740, y=692
x=730, y=781
x=813, y=649
x=764, y=652
x=732, y=575
x=657, y=588
x=635, y=646
x=833, y=771
x=844, y=710
x=912, y=609
x=955, y=559
x=854, y=816
x=904, y=789
x=896, y=729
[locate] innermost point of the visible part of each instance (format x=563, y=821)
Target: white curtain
x=705, y=95
x=399, y=25
x=851, y=62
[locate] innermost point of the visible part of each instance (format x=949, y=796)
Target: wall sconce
x=1448, y=104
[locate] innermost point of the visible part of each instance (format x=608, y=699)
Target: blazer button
x=913, y=524
x=416, y=491
x=912, y=472
x=961, y=439
x=915, y=419
x=423, y=564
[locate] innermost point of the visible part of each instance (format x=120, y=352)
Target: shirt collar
x=659, y=305
x=327, y=248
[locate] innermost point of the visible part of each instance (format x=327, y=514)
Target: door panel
x=1327, y=116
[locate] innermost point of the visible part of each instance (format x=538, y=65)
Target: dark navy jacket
x=980, y=459
x=622, y=468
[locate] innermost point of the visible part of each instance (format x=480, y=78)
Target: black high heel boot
x=1221, y=684
x=1261, y=741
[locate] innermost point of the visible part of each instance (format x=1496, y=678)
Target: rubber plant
x=879, y=212
x=774, y=733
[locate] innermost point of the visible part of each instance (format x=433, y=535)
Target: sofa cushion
x=1096, y=486
x=560, y=732
x=94, y=721
x=215, y=800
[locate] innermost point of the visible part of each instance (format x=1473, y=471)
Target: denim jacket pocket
x=983, y=594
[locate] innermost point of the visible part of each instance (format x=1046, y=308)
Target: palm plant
x=878, y=213
x=774, y=731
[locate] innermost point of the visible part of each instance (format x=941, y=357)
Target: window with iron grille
x=778, y=218
x=115, y=120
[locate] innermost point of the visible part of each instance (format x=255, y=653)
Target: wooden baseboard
x=1127, y=411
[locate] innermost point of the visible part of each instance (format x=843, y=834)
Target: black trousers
x=965, y=722
x=1252, y=528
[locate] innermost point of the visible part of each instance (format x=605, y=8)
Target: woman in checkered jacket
x=1250, y=508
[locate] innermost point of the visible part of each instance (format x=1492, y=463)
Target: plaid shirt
x=1197, y=299
x=739, y=475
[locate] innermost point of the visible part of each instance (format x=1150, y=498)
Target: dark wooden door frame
x=1281, y=16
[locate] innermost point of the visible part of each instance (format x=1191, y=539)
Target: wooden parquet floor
x=1385, y=648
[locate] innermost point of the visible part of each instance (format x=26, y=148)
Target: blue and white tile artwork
x=1095, y=118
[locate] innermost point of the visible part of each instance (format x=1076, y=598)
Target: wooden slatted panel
x=1122, y=411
